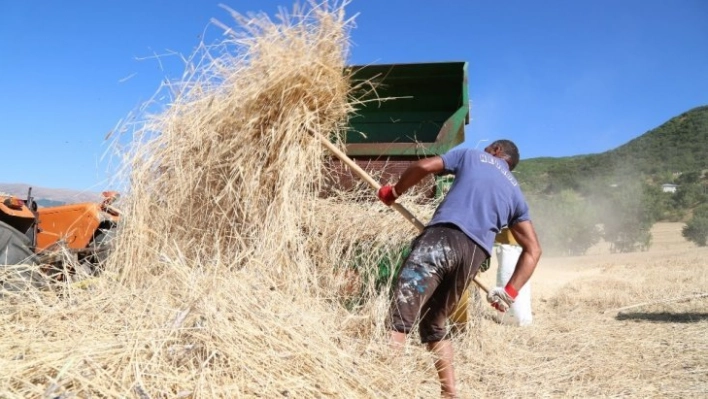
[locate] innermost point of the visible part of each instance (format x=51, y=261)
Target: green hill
x=43, y=202
x=617, y=195
x=678, y=146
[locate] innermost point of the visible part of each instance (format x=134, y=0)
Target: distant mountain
x=49, y=196
x=47, y=203
x=678, y=146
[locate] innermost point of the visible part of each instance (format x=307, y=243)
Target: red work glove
x=502, y=298
x=387, y=194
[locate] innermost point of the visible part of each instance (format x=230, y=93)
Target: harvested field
x=232, y=278
x=198, y=334
x=579, y=347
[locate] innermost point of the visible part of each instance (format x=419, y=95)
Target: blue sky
x=558, y=77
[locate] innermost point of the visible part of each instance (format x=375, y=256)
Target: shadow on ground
x=664, y=317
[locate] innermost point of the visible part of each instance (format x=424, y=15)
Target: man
x=483, y=198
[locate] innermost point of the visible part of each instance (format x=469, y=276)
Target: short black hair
x=511, y=151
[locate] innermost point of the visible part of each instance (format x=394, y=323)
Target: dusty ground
x=667, y=245
x=578, y=346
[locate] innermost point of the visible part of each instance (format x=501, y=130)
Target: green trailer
x=415, y=109
x=407, y=112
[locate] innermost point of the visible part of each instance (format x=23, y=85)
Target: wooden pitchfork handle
x=376, y=186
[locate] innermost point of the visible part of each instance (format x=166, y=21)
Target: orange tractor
x=52, y=235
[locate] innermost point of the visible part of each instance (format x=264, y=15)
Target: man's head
x=506, y=150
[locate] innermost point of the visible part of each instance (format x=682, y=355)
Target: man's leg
x=398, y=339
x=442, y=303
x=421, y=289
x=433, y=332
x=416, y=282
x=442, y=350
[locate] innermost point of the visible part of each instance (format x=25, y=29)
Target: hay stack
x=230, y=170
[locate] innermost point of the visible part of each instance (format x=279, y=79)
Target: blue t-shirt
x=483, y=198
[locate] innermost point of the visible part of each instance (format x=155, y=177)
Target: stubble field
x=579, y=346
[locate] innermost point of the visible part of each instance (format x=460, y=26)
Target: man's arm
x=525, y=236
x=417, y=171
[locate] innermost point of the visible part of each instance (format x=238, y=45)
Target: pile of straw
x=229, y=272
x=230, y=171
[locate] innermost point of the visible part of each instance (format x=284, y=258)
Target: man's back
x=483, y=198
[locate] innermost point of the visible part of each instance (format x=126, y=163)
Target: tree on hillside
x=696, y=230
x=561, y=178
x=689, y=177
x=661, y=205
x=565, y=223
x=627, y=213
x=689, y=195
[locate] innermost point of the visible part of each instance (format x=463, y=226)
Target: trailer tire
x=18, y=270
x=14, y=246
x=101, y=246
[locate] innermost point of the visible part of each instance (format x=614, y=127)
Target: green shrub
x=696, y=230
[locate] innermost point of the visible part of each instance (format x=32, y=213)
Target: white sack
x=520, y=312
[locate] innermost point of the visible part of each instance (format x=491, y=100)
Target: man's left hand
x=501, y=299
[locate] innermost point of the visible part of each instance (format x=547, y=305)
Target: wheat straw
x=232, y=276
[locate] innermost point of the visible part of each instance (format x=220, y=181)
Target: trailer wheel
x=101, y=246
x=18, y=270
x=14, y=246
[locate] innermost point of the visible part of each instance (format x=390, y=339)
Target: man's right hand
x=387, y=194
